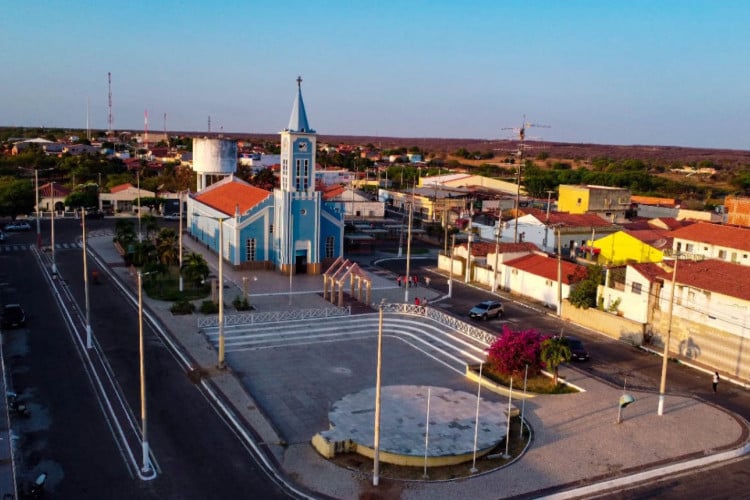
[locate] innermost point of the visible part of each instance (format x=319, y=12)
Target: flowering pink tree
x=513, y=350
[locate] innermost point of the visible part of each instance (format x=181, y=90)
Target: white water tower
x=212, y=158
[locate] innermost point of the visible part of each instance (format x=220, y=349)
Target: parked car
x=2, y=236
x=18, y=226
x=12, y=316
x=487, y=309
x=172, y=216
x=94, y=213
x=577, y=350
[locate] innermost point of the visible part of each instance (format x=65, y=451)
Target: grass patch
x=167, y=287
x=538, y=384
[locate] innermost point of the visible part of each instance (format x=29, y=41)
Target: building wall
x=738, y=210
x=608, y=202
x=620, y=248
x=530, y=285
x=573, y=199
x=609, y=324
x=695, y=249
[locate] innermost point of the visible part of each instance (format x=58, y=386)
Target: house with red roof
x=540, y=277
x=52, y=195
x=123, y=199
x=713, y=241
x=542, y=228
x=356, y=204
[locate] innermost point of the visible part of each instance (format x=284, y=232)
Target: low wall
x=604, y=322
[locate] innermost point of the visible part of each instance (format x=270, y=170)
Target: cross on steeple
x=299, y=82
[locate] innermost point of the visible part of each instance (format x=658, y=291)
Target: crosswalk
x=438, y=341
x=18, y=247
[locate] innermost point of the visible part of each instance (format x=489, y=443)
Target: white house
x=713, y=241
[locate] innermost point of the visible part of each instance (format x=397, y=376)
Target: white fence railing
x=273, y=316
x=438, y=316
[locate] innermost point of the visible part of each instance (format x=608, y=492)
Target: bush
x=208, y=307
x=182, y=307
x=241, y=304
x=514, y=350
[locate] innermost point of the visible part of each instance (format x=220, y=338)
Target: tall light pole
x=179, y=237
x=52, y=229
x=221, y=364
x=146, y=464
x=450, y=272
x=86, y=281
x=497, y=251
x=378, y=372
x=38, y=225
x=408, y=255
x=665, y=356
x=138, y=177
x=559, y=272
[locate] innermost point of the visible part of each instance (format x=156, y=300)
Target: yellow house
x=605, y=201
x=629, y=247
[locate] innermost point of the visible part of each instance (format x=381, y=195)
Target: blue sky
x=608, y=72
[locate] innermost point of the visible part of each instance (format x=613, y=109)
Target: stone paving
x=575, y=438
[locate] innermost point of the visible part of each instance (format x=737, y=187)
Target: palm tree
x=150, y=224
x=124, y=231
x=555, y=350
x=195, y=268
x=166, y=246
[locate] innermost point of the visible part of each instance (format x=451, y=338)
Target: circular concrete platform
x=403, y=417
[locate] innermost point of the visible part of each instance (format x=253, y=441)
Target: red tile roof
x=657, y=238
x=332, y=191
x=546, y=267
x=569, y=220
x=715, y=276
x=121, y=187
x=715, y=234
x=481, y=249
x=651, y=271
x=60, y=191
x=225, y=196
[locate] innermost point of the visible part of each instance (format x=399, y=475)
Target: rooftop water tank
x=214, y=156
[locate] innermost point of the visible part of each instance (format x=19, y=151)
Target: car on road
x=18, y=226
x=94, y=213
x=487, y=309
x=578, y=351
x=172, y=216
x=12, y=316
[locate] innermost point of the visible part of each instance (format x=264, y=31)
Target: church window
x=270, y=229
x=329, y=246
x=250, y=247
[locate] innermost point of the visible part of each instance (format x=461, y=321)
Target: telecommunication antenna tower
x=145, y=129
x=166, y=137
x=521, y=131
x=209, y=124
x=109, y=100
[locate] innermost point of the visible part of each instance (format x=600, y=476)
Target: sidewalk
x=575, y=438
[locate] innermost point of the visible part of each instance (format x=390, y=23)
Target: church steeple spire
x=298, y=121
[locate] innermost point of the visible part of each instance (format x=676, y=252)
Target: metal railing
x=274, y=316
x=438, y=316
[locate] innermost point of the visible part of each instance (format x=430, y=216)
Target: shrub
x=208, y=307
x=241, y=304
x=513, y=350
x=182, y=307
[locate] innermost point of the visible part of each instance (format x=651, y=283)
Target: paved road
x=196, y=453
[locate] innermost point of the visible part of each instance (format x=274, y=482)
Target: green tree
x=16, y=197
x=583, y=294
x=167, y=246
x=195, y=268
x=555, y=350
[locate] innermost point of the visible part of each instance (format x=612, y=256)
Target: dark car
x=487, y=309
x=577, y=350
x=94, y=213
x=12, y=316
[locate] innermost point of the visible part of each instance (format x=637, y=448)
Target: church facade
x=291, y=228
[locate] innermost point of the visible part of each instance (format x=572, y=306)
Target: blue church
x=290, y=229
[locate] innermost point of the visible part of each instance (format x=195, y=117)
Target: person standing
x=715, y=383
x=416, y=301
x=398, y=280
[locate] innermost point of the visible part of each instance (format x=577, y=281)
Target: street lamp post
x=179, y=237
x=665, y=356
x=146, y=464
x=86, y=281
x=497, y=251
x=378, y=372
x=52, y=229
x=221, y=364
x=450, y=272
x=408, y=255
x=138, y=177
